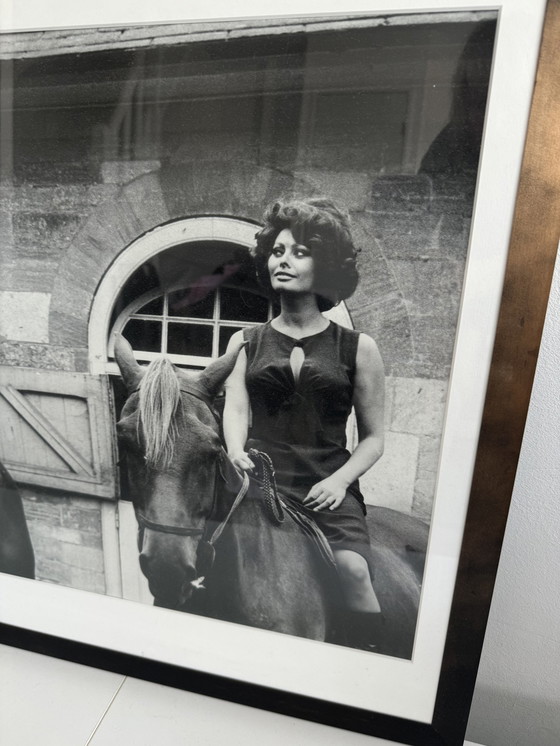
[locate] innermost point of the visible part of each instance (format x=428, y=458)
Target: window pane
x=225, y=335
x=143, y=335
x=189, y=339
x=155, y=307
x=196, y=301
x=243, y=305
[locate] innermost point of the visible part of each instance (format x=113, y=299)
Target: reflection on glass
x=154, y=307
x=243, y=305
x=189, y=339
x=226, y=333
x=143, y=335
x=196, y=301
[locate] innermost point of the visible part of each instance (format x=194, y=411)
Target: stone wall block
x=84, y=558
x=431, y=287
x=383, y=319
x=145, y=199
x=87, y=580
x=56, y=533
x=81, y=359
x=81, y=520
x=45, y=548
x=84, y=503
x=24, y=316
x=31, y=355
x=6, y=232
x=429, y=454
x=454, y=236
x=424, y=492
x=453, y=193
x=184, y=190
x=41, y=509
x=212, y=187
x=250, y=190
x=390, y=482
x=424, y=488
x=28, y=274
x=67, y=328
x=35, y=171
x=433, y=338
x=419, y=406
x=389, y=401
x=350, y=188
x=377, y=307
x=53, y=571
x=124, y=172
x=50, y=536
x=401, y=194
x=43, y=234
x=71, y=302
x=408, y=236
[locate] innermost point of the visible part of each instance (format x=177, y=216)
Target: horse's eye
x=124, y=430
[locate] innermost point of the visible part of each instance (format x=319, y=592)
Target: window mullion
x=164, y=324
x=216, y=325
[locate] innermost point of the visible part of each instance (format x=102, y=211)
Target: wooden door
x=58, y=430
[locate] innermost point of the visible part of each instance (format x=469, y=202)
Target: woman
x=296, y=381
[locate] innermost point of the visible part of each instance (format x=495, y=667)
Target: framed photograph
x=173, y=183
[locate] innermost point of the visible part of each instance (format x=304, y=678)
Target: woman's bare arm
x=236, y=410
x=369, y=402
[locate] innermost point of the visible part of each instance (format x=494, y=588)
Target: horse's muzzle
x=170, y=583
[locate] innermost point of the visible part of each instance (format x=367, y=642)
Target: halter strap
x=202, y=396
x=164, y=528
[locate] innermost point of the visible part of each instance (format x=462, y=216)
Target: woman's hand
x=241, y=461
x=329, y=493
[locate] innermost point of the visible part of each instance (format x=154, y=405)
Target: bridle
x=164, y=528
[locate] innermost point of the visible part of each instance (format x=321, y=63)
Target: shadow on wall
x=456, y=149
x=16, y=551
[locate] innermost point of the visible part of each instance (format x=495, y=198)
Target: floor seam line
x=105, y=711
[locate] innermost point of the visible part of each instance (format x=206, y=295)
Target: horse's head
x=171, y=438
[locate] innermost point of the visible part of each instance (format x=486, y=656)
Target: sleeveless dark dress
x=301, y=424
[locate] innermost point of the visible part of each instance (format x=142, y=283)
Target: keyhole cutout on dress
x=297, y=357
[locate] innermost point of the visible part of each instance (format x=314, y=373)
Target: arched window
x=182, y=289
x=187, y=301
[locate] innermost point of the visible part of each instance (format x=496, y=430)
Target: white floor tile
x=49, y=702
x=146, y=714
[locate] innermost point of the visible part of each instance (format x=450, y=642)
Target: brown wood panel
x=532, y=254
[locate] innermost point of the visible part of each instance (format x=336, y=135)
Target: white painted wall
x=517, y=696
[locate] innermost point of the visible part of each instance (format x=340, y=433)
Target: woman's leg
x=363, y=625
x=356, y=581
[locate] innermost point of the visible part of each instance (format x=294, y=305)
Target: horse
x=16, y=551
x=263, y=573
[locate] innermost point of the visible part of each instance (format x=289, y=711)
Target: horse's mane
x=160, y=405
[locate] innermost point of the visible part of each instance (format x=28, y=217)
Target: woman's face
x=290, y=265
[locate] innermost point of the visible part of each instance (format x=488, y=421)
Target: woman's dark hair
x=325, y=229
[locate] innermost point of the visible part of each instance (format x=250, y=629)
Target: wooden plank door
x=57, y=430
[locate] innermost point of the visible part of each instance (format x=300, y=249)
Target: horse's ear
x=212, y=377
x=131, y=372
